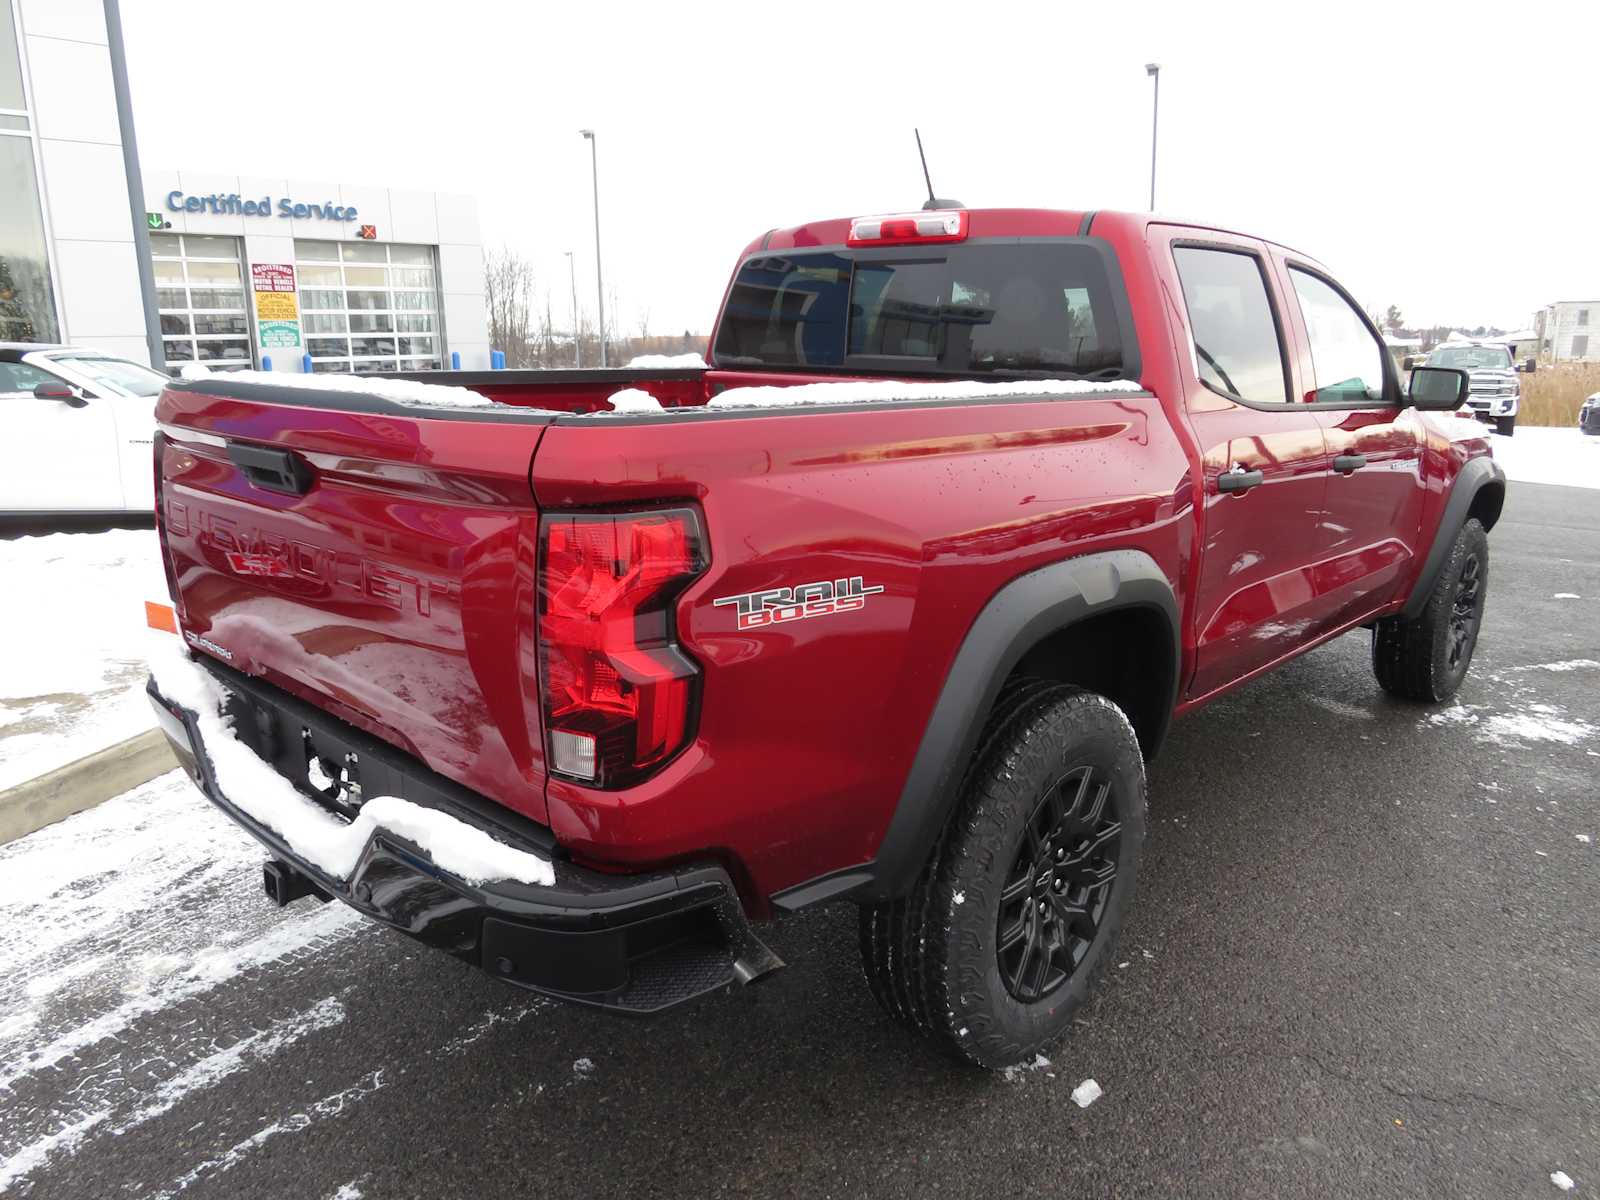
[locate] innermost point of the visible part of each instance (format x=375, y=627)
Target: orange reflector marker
x=160, y=616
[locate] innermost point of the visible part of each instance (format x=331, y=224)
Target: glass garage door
x=200, y=295
x=369, y=306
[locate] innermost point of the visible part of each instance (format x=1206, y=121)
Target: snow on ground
x=138, y=908
x=1544, y=454
x=74, y=637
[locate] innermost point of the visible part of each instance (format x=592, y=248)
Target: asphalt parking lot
x=1365, y=961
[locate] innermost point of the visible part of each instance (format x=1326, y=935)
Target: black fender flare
x=1016, y=618
x=1477, y=474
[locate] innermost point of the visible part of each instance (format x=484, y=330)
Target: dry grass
x=1552, y=395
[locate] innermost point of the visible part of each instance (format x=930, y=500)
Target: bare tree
x=509, y=293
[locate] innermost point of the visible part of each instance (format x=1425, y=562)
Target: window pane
x=165, y=244
x=323, y=322
x=175, y=323
x=414, y=323
x=416, y=345
x=366, y=277
x=168, y=270
x=1346, y=357
x=12, y=121
x=1235, y=339
x=316, y=251
x=327, y=346
x=19, y=379
x=316, y=299
x=898, y=309
x=172, y=298
x=198, y=246
x=373, y=365
x=213, y=272
x=379, y=323
x=364, y=252
x=216, y=298
x=222, y=349
x=117, y=374
x=415, y=300
x=330, y=367
x=958, y=309
x=220, y=323
x=179, y=350
x=366, y=347
x=10, y=63
x=27, y=306
x=328, y=276
x=366, y=300
x=412, y=277
x=412, y=256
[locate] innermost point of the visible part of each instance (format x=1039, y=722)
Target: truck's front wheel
x=1426, y=657
x=1023, y=900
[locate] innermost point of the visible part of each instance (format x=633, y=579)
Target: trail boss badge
x=820, y=599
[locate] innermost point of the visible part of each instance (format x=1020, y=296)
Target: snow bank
x=72, y=671
x=314, y=833
x=673, y=361
x=874, y=391
x=1566, y=457
x=400, y=391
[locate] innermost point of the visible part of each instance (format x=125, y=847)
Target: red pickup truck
x=582, y=676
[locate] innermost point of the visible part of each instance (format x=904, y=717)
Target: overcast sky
x=1434, y=156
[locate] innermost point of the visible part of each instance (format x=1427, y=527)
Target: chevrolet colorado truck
x=584, y=676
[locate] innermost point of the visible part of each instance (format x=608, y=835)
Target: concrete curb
x=83, y=784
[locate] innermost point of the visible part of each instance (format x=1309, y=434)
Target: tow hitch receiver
x=285, y=885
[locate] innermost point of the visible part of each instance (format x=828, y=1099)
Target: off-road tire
x=933, y=960
x=1426, y=658
x=1505, y=426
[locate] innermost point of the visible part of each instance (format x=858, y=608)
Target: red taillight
x=899, y=229
x=619, y=694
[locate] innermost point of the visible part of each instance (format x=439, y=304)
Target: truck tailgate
x=374, y=558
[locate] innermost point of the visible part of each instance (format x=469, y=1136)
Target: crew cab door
x=55, y=455
x=1368, y=533
x=1264, y=464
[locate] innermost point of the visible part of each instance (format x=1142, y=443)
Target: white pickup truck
x=76, y=431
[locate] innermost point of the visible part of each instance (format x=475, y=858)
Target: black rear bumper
x=634, y=944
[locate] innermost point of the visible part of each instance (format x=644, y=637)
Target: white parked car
x=76, y=427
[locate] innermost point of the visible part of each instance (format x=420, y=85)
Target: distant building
x=1569, y=331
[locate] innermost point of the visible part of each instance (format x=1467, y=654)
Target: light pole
x=599, y=283
x=577, y=346
x=1154, y=71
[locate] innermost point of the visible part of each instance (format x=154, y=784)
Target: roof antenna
x=933, y=201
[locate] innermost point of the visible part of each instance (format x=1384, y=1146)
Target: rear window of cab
x=1007, y=309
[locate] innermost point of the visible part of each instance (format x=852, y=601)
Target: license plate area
x=321, y=764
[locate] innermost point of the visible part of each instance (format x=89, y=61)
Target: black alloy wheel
x=1466, y=609
x=1059, y=885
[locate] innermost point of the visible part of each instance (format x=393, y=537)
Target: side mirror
x=1438, y=389
x=56, y=389
x=1528, y=366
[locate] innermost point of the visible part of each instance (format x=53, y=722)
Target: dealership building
x=244, y=270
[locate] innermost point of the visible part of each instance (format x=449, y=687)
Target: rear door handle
x=1346, y=463
x=1239, y=480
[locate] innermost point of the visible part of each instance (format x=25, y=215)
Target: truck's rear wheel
x=1023, y=899
x=1427, y=656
